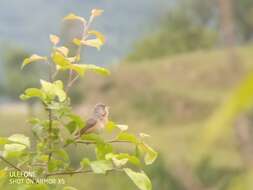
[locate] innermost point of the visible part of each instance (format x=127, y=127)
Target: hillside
x=169, y=98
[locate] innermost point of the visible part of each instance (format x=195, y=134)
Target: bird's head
x=101, y=110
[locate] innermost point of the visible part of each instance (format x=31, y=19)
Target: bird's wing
x=89, y=124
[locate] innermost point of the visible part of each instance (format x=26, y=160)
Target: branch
x=68, y=172
x=71, y=82
x=76, y=172
x=110, y=141
x=94, y=142
x=78, y=52
x=17, y=168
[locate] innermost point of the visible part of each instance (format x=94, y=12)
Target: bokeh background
x=181, y=71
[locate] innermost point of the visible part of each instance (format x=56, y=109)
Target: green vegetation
x=172, y=98
x=41, y=161
x=192, y=25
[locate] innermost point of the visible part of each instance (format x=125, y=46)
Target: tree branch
x=76, y=172
x=110, y=141
x=17, y=168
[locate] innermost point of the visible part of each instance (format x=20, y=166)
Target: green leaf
x=150, y=154
x=60, y=60
x=102, y=149
x=77, y=119
x=123, y=136
x=54, y=89
x=123, y=158
x=71, y=126
x=13, y=150
x=97, y=43
x=140, y=179
x=85, y=162
x=110, y=126
x=54, y=165
x=62, y=154
x=63, y=50
x=20, y=138
x=33, y=58
x=3, y=140
x=116, y=161
x=97, y=69
x=33, y=92
x=99, y=35
x=132, y=159
x=101, y=166
x=92, y=137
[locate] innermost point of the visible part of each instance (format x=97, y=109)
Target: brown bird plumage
x=97, y=121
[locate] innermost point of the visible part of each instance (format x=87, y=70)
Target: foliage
x=186, y=28
x=15, y=81
x=193, y=25
x=48, y=155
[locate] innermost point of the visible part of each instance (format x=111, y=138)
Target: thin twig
x=68, y=172
x=78, y=52
x=94, y=142
x=77, y=172
x=70, y=83
x=17, y=168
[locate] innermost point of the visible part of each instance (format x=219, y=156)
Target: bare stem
x=50, y=115
x=71, y=80
x=70, y=83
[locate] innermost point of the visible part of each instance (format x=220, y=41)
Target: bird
x=97, y=122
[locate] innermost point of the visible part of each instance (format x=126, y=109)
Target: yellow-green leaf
x=97, y=43
x=101, y=166
x=59, y=59
x=20, y=138
x=150, y=154
x=99, y=35
x=122, y=127
x=77, y=41
x=53, y=89
x=31, y=93
x=140, y=179
x=97, y=69
x=96, y=12
x=72, y=16
x=63, y=50
x=33, y=58
x=13, y=150
x=123, y=136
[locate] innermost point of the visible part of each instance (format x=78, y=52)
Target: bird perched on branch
x=96, y=123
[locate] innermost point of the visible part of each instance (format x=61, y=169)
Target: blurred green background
x=181, y=71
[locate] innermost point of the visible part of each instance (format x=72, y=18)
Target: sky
x=28, y=23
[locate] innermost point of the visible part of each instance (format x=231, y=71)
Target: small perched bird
x=97, y=121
